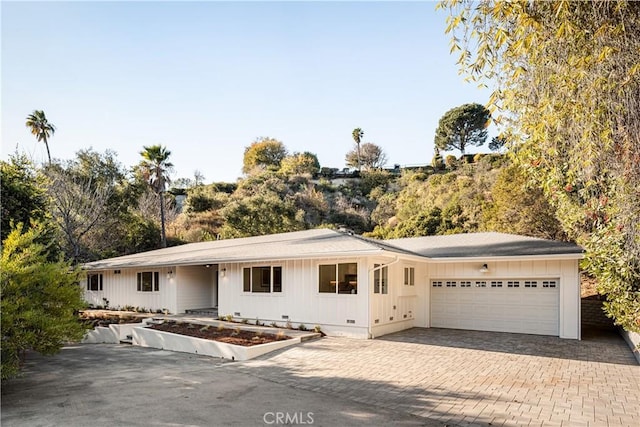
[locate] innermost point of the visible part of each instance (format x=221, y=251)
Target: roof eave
x=555, y=257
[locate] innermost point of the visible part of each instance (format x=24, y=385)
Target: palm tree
x=357, y=137
x=41, y=128
x=155, y=169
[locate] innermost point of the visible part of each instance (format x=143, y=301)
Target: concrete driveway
x=431, y=377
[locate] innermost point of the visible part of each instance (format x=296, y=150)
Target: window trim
x=409, y=276
x=381, y=279
x=155, y=281
x=99, y=284
x=272, y=284
x=336, y=277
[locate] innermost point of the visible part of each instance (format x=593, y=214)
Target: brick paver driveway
x=470, y=378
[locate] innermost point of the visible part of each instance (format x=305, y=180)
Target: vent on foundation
x=376, y=321
x=237, y=314
x=116, y=271
x=351, y=321
x=285, y=317
x=391, y=318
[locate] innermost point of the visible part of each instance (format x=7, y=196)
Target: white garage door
x=529, y=306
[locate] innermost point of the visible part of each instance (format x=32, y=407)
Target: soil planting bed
x=226, y=335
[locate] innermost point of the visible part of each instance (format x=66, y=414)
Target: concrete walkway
x=471, y=378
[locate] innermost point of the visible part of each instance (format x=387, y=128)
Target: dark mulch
x=226, y=335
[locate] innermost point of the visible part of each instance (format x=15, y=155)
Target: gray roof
x=319, y=243
x=323, y=243
x=484, y=245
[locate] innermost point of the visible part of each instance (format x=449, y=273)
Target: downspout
x=381, y=266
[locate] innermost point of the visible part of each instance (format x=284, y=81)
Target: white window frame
x=337, y=291
x=271, y=290
x=90, y=277
x=380, y=279
x=155, y=281
x=410, y=276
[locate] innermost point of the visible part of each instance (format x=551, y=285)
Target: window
x=481, y=284
x=496, y=284
x=94, y=282
x=149, y=281
x=436, y=284
x=262, y=279
x=338, y=278
x=513, y=284
x=380, y=279
x=451, y=284
x=465, y=284
x=549, y=284
x=409, y=276
x=530, y=284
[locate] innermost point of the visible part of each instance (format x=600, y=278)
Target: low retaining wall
x=112, y=334
x=146, y=337
x=633, y=339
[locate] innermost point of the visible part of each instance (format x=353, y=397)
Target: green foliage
x=366, y=156
x=519, y=207
x=23, y=198
x=40, y=299
x=462, y=126
x=300, y=164
x=497, y=143
x=263, y=154
x=451, y=162
x=568, y=96
x=437, y=162
x=41, y=128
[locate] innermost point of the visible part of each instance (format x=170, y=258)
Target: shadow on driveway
x=597, y=345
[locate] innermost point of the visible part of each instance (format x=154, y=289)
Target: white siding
x=194, y=287
x=122, y=290
x=568, y=294
x=397, y=309
x=300, y=299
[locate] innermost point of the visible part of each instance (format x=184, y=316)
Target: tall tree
x=357, y=135
x=263, y=154
x=23, y=198
x=370, y=156
x=462, y=126
x=40, y=127
x=567, y=78
x=156, y=168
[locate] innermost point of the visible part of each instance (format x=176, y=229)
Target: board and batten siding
x=195, y=287
x=121, y=289
x=402, y=307
x=300, y=301
x=565, y=270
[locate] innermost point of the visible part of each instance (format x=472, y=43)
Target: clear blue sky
x=206, y=79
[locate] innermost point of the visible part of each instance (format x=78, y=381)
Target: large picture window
x=262, y=279
x=149, y=281
x=338, y=278
x=94, y=282
x=380, y=279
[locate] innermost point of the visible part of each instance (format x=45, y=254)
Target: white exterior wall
x=565, y=270
x=194, y=287
x=401, y=307
x=300, y=299
x=122, y=290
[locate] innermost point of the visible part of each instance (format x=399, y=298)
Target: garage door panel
x=496, y=307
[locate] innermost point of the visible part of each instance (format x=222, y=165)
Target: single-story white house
x=354, y=286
